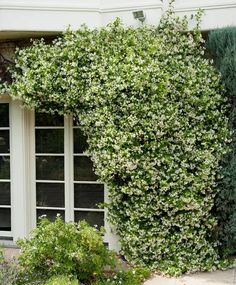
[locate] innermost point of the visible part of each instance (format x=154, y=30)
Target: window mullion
x=32, y=170
x=68, y=147
x=19, y=170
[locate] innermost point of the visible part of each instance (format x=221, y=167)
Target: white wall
x=217, y=13
x=57, y=15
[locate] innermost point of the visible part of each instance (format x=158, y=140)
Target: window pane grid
x=5, y=186
x=80, y=173
x=50, y=165
x=88, y=192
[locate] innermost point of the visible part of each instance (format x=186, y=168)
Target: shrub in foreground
x=59, y=248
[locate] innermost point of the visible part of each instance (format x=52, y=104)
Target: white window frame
x=23, y=178
x=68, y=179
x=8, y=234
x=18, y=170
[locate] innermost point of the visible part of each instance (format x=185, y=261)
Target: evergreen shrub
x=152, y=109
x=221, y=44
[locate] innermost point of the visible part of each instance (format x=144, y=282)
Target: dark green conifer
x=222, y=46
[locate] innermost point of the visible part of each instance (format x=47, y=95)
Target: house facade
x=44, y=169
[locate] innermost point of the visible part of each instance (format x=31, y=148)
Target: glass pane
x=93, y=218
x=50, y=214
x=4, y=167
x=50, y=167
x=80, y=142
x=49, y=141
x=47, y=120
x=5, y=195
x=50, y=195
x=4, y=142
x=88, y=195
x=83, y=169
x=4, y=115
x=5, y=219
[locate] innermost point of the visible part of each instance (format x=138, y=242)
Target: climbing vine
x=151, y=107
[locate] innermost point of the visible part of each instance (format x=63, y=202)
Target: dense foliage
x=60, y=253
x=222, y=45
x=151, y=107
x=58, y=248
x=61, y=280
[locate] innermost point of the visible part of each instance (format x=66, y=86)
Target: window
x=5, y=182
x=50, y=177
x=65, y=181
x=44, y=170
x=88, y=193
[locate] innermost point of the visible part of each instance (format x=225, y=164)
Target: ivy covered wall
x=152, y=108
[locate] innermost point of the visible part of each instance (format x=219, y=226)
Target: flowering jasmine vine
x=151, y=107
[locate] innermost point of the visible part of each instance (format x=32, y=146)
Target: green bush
x=152, y=108
x=133, y=276
x=61, y=280
x=222, y=46
x=61, y=248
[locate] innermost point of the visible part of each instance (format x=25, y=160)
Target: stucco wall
x=57, y=15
